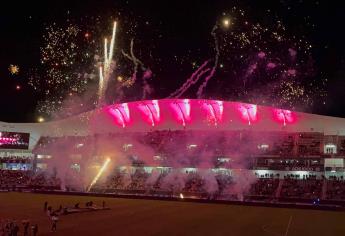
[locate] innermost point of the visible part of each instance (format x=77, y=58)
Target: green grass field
x=153, y=217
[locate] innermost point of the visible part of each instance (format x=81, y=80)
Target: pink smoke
x=292, y=53
x=291, y=72
x=271, y=65
x=261, y=55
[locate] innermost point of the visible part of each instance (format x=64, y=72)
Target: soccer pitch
x=155, y=217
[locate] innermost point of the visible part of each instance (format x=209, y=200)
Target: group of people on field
x=12, y=228
x=54, y=214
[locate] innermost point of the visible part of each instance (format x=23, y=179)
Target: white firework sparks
x=105, y=71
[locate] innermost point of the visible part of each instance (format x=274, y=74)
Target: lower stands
x=220, y=186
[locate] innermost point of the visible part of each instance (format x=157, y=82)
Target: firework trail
x=136, y=62
x=146, y=87
x=203, y=72
x=214, y=68
x=99, y=174
x=105, y=71
x=189, y=81
x=251, y=69
x=147, y=73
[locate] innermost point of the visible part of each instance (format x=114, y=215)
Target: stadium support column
x=34, y=163
x=254, y=161
x=295, y=144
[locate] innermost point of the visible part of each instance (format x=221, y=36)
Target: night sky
x=178, y=33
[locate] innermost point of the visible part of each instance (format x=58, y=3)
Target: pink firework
x=120, y=114
x=214, y=111
x=248, y=112
x=182, y=109
x=150, y=111
x=284, y=116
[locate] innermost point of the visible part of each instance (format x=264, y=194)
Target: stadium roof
x=179, y=114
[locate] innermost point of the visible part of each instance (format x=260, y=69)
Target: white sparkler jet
x=106, y=70
x=99, y=174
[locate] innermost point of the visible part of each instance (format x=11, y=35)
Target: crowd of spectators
x=292, y=186
x=336, y=189
x=310, y=188
x=15, y=159
x=138, y=180
x=194, y=183
x=115, y=181
x=288, y=164
x=264, y=187
x=10, y=179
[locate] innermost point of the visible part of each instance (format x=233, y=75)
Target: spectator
x=34, y=229
x=54, y=222
x=26, y=225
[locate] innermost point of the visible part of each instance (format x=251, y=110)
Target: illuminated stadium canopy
x=180, y=114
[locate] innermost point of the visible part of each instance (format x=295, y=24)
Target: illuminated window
x=330, y=148
x=263, y=146
x=224, y=160
x=127, y=146
x=191, y=146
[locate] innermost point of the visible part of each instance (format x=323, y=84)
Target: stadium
x=204, y=145
x=185, y=150
x=172, y=118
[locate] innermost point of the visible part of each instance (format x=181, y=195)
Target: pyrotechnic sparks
x=40, y=119
x=106, y=70
x=14, y=69
x=252, y=62
x=261, y=56
x=99, y=174
x=119, y=79
x=266, y=66
x=226, y=22
x=67, y=63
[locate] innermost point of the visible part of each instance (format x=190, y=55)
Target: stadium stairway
x=280, y=185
